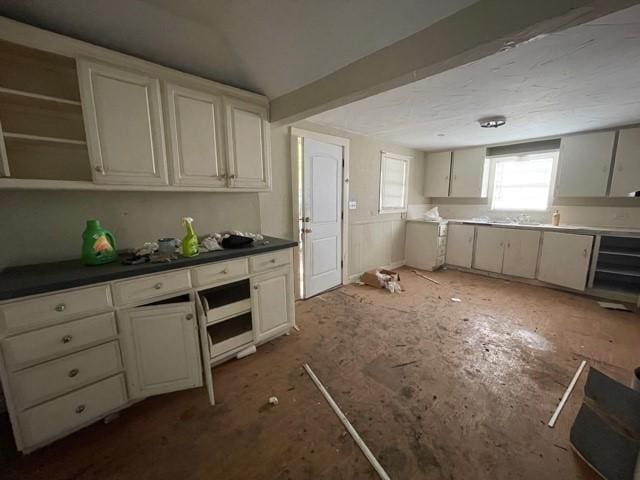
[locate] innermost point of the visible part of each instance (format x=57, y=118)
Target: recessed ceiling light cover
x=492, y=122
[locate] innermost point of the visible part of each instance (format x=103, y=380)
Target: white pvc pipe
x=565, y=397
x=367, y=453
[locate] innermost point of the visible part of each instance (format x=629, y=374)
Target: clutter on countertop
x=98, y=245
x=433, y=215
x=190, y=244
x=382, y=278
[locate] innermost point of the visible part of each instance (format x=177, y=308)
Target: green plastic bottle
x=98, y=245
x=190, y=240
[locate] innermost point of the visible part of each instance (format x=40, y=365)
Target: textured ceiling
x=267, y=46
x=583, y=78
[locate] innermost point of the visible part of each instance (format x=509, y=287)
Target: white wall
x=45, y=226
x=382, y=235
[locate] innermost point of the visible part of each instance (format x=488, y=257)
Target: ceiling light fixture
x=492, y=122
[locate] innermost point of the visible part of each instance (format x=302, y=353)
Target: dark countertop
x=27, y=280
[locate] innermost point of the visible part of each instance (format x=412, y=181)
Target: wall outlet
x=353, y=204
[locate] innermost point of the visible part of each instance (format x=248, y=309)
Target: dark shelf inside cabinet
x=219, y=332
x=225, y=294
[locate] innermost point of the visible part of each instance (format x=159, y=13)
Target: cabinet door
x=564, y=259
x=489, y=249
x=583, y=165
x=437, y=169
x=160, y=349
x=272, y=303
x=421, y=245
x=468, y=173
x=248, y=145
x=195, y=120
x=521, y=253
x=626, y=169
x=460, y=245
x=123, y=119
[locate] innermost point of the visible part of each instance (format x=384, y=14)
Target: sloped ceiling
x=583, y=78
x=266, y=46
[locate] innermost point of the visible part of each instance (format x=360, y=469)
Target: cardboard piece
x=370, y=278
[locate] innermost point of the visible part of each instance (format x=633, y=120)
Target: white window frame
x=493, y=160
x=403, y=158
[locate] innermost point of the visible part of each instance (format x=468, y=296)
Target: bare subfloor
x=482, y=379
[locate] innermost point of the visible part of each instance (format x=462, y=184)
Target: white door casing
x=565, y=259
x=322, y=207
x=160, y=344
x=248, y=145
x=272, y=305
x=194, y=119
x=460, y=245
x=123, y=122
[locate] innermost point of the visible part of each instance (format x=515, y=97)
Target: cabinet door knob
x=256, y=287
x=99, y=169
x=67, y=339
x=80, y=408
x=189, y=316
x=273, y=260
x=158, y=286
x=60, y=307
x=225, y=271
x=232, y=176
x=584, y=253
x=73, y=372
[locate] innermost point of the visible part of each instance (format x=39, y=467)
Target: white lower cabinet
x=565, y=259
x=160, y=345
x=460, y=245
x=272, y=303
x=425, y=246
x=507, y=250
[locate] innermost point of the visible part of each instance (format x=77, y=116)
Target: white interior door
x=322, y=207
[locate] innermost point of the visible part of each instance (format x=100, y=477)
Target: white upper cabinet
x=194, y=121
x=437, y=169
x=626, y=169
x=565, y=259
x=248, y=145
x=123, y=120
x=584, y=164
x=468, y=173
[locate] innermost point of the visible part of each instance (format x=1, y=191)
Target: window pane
x=393, y=184
x=522, y=183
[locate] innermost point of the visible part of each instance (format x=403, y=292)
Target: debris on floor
x=606, y=430
x=425, y=277
x=457, y=300
x=381, y=278
x=614, y=306
x=273, y=401
x=567, y=392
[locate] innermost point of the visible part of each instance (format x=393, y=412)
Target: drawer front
x=50, y=342
x=150, y=288
x=49, y=309
x=442, y=230
x=47, y=380
x=260, y=263
x=219, y=272
x=57, y=417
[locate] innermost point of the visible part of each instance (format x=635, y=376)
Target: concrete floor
x=487, y=374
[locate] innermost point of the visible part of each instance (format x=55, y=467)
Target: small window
x=523, y=182
x=394, y=182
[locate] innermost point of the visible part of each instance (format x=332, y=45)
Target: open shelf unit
x=618, y=265
x=42, y=134
x=229, y=323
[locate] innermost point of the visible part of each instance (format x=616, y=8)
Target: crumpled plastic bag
x=389, y=282
x=433, y=214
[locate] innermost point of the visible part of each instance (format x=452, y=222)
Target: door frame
x=297, y=154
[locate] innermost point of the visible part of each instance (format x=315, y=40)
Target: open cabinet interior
x=41, y=123
x=229, y=323
x=618, y=266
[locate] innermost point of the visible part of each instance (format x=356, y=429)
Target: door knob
x=307, y=230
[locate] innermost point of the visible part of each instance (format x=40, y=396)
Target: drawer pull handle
x=80, y=408
x=61, y=307
x=67, y=338
x=73, y=372
x=189, y=316
x=158, y=286
x=273, y=260
x=225, y=271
